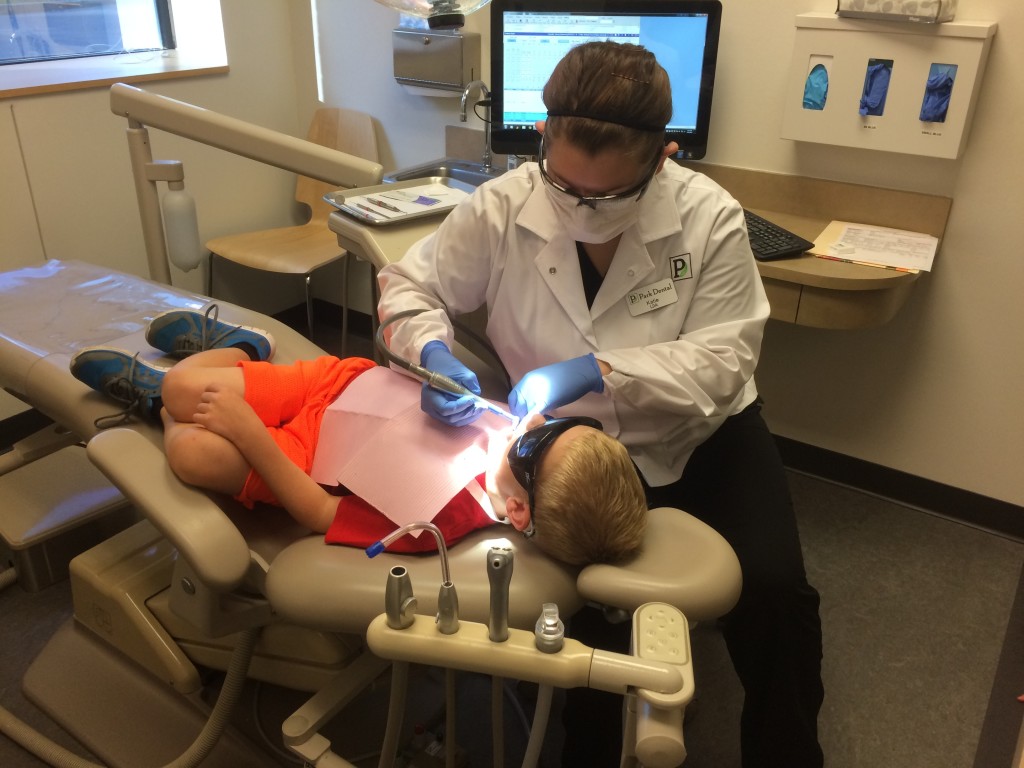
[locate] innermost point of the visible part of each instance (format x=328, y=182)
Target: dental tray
x=400, y=201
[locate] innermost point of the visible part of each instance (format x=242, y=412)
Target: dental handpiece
x=444, y=383
x=499, y=573
x=434, y=379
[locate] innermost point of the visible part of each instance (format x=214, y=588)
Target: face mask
x=593, y=225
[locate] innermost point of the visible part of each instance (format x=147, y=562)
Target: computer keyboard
x=770, y=241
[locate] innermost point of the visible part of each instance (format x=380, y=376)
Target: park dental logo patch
x=680, y=267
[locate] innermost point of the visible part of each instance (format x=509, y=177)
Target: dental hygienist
x=622, y=286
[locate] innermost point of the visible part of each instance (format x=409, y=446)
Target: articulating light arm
x=229, y=134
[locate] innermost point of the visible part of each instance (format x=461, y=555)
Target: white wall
x=934, y=392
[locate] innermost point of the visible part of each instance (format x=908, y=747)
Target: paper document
x=876, y=246
x=404, y=203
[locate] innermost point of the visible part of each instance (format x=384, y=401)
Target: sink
x=466, y=171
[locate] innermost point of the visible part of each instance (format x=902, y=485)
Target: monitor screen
x=528, y=37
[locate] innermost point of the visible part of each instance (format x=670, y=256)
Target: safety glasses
x=526, y=452
x=591, y=201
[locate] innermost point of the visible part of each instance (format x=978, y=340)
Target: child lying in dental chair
x=237, y=424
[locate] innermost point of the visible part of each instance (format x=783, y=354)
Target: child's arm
x=228, y=415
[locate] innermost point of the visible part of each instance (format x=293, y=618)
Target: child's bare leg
x=188, y=379
x=202, y=458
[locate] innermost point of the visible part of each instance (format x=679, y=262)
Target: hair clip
x=634, y=79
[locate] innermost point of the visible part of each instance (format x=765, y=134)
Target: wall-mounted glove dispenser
x=889, y=86
x=927, y=11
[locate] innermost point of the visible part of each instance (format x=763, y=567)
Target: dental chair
x=173, y=595
x=200, y=584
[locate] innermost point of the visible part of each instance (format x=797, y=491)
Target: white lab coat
x=678, y=370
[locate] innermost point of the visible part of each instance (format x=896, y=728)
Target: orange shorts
x=291, y=400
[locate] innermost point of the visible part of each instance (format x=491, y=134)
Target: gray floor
x=914, y=608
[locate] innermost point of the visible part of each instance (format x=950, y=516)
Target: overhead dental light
x=440, y=14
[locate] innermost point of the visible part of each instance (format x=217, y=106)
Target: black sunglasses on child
x=525, y=454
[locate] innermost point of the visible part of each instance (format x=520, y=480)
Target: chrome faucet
x=487, y=115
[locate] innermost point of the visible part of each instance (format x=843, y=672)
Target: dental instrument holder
x=657, y=679
x=499, y=573
x=399, y=601
x=447, y=609
x=447, y=599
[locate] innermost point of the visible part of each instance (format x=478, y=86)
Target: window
x=31, y=30
x=195, y=45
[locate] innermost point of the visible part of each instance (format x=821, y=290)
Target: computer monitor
x=528, y=37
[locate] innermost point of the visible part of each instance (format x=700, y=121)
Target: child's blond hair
x=591, y=508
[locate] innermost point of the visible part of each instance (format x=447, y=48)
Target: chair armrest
x=190, y=519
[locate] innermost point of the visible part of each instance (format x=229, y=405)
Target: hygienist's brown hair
x=622, y=90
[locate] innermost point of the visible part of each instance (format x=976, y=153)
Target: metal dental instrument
x=499, y=574
x=446, y=384
x=549, y=631
x=447, y=598
x=434, y=379
x=399, y=601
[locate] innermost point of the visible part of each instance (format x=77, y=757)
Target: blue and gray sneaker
x=182, y=332
x=121, y=376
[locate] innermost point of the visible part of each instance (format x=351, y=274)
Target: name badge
x=652, y=296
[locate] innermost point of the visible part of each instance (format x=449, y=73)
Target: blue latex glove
x=443, y=406
x=555, y=385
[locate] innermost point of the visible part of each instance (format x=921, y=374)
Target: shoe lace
x=187, y=345
x=123, y=390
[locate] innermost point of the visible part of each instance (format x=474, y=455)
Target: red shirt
x=358, y=524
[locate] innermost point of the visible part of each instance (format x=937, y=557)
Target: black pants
x=734, y=482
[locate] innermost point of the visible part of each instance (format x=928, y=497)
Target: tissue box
x=928, y=11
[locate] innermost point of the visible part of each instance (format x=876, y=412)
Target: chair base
x=118, y=711
x=128, y=718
